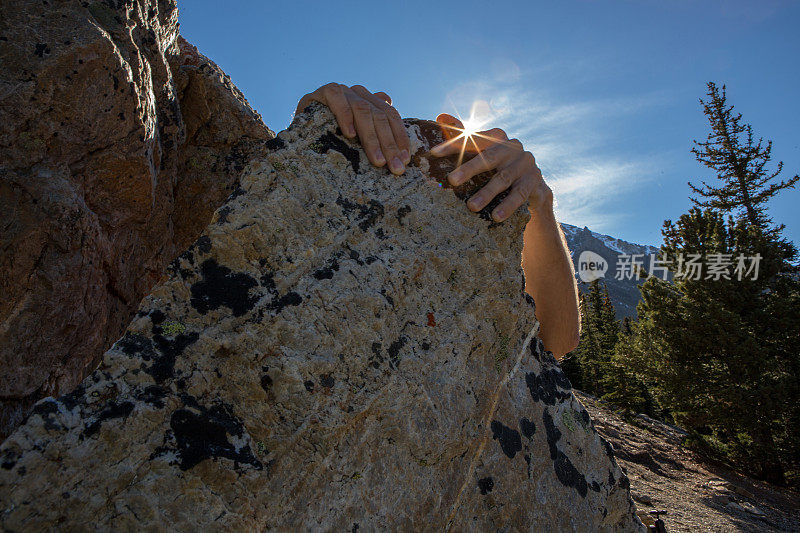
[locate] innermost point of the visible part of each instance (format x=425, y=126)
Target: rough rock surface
x=341, y=349
x=117, y=143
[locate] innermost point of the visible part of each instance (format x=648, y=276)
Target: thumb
x=451, y=126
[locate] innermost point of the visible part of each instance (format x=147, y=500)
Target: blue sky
x=604, y=93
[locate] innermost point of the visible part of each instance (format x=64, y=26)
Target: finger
x=389, y=147
x=520, y=193
x=362, y=114
x=501, y=181
x=399, y=133
x=383, y=96
x=495, y=156
x=338, y=104
x=451, y=126
x=306, y=100
x=392, y=134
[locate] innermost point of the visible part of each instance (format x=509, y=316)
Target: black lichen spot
x=154, y=395
x=276, y=143
x=377, y=357
x=402, y=212
x=235, y=194
x=327, y=271
x=74, y=398
x=366, y=214
x=202, y=434
x=278, y=302
x=595, y=486
x=329, y=141
x=509, y=439
x=527, y=426
x=327, y=381
x=222, y=214
x=388, y=298
x=611, y=479
x=136, y=345
x=48, y=409
x=164, y=366
x=425, y=345
x=203, y=244
x=288, y=299
x=394, y=351
x=585, y=418
x=114, y=410
x=41, y=49
x=609, y=449
x=157, y=316
x=486, y=485
x=309, y=385
x=266, y=382
x=566, y=472
x=9, y=460
x=546, y=386
x=221, y=287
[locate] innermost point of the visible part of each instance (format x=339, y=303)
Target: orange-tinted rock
x=117, y=142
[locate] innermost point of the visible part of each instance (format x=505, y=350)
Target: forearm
x=550, y=279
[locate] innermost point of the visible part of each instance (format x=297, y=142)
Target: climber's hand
x=515, y=167
x=371, y=117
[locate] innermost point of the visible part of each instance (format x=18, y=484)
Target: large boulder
x=117, y=142
x=341, y=349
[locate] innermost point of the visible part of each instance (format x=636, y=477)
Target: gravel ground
x=697, y=494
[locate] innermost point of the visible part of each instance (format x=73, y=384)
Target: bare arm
x=550, y=279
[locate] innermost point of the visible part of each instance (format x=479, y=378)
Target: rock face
x=341, y=349
x=117, y=142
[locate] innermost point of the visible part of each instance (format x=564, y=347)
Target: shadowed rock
x=117, y=143
x=341, y=349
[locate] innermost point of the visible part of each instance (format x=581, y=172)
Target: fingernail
x=397, y=166
x=379, y=157
x=475, y=201
x=351, y=131
x=499, y=214
x=455, y=177
x=405, y=156
x=436, y=149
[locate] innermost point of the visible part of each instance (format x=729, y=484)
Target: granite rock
x=117, y=143
x=341, y=349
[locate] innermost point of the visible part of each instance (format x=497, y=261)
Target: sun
x=479, y=116
x=471, y=126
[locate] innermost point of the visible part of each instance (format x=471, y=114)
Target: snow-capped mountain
x=624, y=293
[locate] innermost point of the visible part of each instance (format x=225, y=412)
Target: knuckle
x=529, y=157
x=516, y=143
x=392, y=113
x=521, y=195
x=361, y=106
x=359, y=88
x=381, y=118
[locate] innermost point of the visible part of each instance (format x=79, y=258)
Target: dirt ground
x=697, y=494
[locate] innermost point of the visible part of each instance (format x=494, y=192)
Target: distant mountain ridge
x=624, y=293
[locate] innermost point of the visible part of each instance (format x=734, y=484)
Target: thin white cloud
x=573, y=141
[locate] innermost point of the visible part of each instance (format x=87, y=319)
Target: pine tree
x=723, y=354
x=739, y=162
x=720, y=352
x=587, y=365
